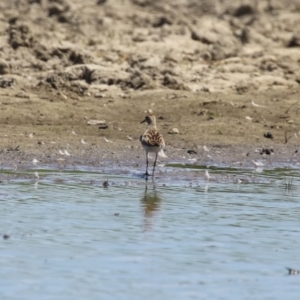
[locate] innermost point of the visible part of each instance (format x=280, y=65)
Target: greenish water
x=70, y=238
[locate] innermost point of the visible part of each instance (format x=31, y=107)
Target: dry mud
x=224, y=73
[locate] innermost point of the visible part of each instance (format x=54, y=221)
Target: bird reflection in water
x=151, y=203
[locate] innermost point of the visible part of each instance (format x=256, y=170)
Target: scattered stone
x=116, y=214
x=191, y=152
x=100, y=96
x=295, y=40
x=20, y=36
x=13, y=149
x=266, y=151
x=268, y=135
x=96, y=122
x=6, y=82
x=103, y=126
x=173, y=131
x=6, y=236
x=243, y=10
x=4, y=67
x=162, y=20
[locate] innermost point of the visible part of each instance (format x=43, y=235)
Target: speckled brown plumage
x=152, y=138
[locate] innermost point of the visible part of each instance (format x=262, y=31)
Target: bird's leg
x=147, y=163
x=154, y=164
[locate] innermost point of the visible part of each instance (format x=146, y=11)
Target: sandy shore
x=226, y=76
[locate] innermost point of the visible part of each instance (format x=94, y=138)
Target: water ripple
x=186, y=239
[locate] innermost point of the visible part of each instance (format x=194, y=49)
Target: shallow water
x=70, y=238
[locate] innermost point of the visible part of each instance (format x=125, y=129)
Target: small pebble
x=174, y=131
x=266, y=151
x=103, y=126
x=191, y=152
x=268, y=135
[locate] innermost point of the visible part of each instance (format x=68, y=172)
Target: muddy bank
x=115, y=46
x=219, y=76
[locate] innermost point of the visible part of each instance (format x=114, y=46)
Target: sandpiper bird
x=152, y=140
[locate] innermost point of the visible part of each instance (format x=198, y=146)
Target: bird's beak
x=143, y=121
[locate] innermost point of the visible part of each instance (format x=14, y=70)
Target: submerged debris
x=288, y=184
x=242, y=180
x=105, y=184
x=207, y=175
x=293, y=271
x=35, y=161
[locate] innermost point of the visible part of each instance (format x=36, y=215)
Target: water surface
x=70, y=238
